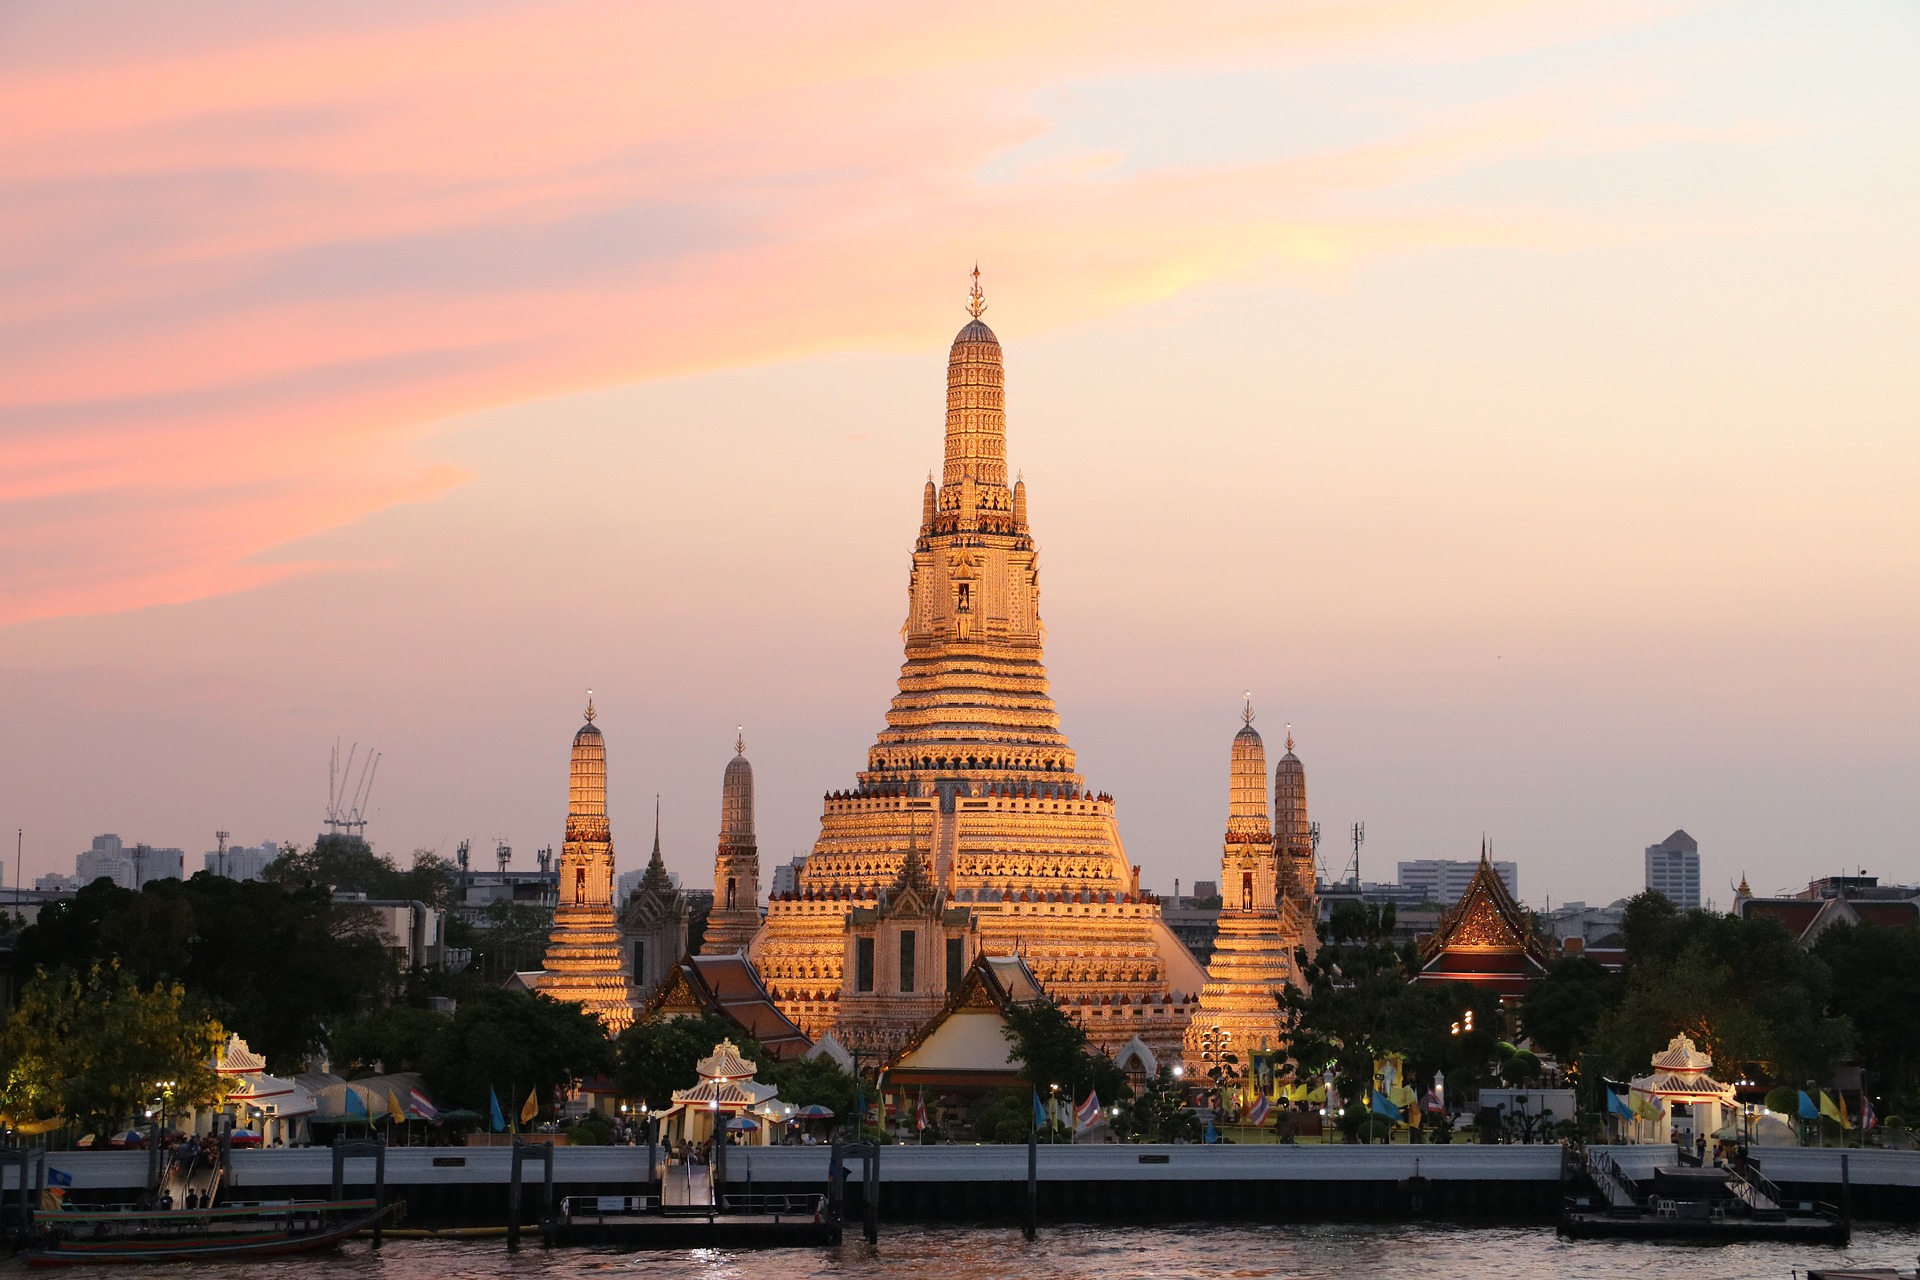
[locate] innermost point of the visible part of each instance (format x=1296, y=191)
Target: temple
x=1485, y=939
x=1265, y=911
x=736, y=867
x=654, y=923
x=584, y=951
x=969, y=831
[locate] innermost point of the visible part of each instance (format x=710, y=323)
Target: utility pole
x=220, y=857
x=1359, y=838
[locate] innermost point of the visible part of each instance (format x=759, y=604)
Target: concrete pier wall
x=988, y=1183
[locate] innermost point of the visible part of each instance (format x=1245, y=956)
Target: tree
x=1876, y=971
x=656, y=1057
x=814, y=1081
x=1053, y=1049
x=1743, y=988
x=1562, y=1011
x=396, y=1038
x=513, y=1041
x=99, y=1048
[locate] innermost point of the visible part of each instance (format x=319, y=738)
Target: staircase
x=1616, y=1186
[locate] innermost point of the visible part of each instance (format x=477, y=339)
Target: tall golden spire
x=583, y=952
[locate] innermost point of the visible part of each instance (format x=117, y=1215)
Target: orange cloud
x=247, y=267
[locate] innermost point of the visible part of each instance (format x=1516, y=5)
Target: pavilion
x=725, y=1092
x=1680, y=1075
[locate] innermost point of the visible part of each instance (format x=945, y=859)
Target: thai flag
x=1867, y=1118
x=1258, y=1115
x=417, y=1103
x=1088, y=1114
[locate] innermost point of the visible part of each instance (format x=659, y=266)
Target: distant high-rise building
x=1445, y=880
x=1673, y=870
x=54, y=882
x=786, y=878
x=242, y=862
x=111, y=859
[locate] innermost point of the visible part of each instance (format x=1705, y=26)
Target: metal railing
x=598, y=1208
x=1619, y=1189
x=1756, y=1189
x=805, y=1205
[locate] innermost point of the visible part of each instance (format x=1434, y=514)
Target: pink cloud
x=246, y=267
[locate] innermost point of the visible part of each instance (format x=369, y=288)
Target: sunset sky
x=1519, y=398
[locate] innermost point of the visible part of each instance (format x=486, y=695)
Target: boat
x=1715, y=1203
x=1859, y=1273
x=91, y=1237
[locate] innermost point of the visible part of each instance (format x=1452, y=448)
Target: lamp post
x=1053, y=1107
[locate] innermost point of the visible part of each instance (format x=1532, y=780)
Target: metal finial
x=1289, y=735
x=976, y=300
x=740, y=740
x=589, y=706
x=1246, y=716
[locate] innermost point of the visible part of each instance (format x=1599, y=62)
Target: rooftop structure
x=1445, y=879
x=727, y=986
x=1673, y=870
x=1487, y=939
x=1831, y=901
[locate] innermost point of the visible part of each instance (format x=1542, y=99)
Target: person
x=1700, y=1149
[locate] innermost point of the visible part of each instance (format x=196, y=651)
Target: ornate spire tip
x=1246, y=715
x=589, y=706
x=976, y=300
x=740, y=740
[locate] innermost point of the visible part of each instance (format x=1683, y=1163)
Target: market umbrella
x=814, y=1111
x=128, y=1138
x=460, y=1114
x=743, y=1124
x=244, y=1138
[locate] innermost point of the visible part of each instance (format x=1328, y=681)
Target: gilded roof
x=1486, y=919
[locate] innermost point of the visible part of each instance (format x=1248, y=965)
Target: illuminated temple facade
x=1266, y=907
x=970, y=831
x=584, y=952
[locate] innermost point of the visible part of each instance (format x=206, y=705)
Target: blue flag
x=58, y=1177
x=1039, y=1112
x=1809, y=1109
x=499, y=1121
x=1617, y=1105
x=1209, y=1135
x=1381, y=1105
x=356, y=1105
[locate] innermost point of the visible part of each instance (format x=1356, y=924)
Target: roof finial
x=589, y=706
x=656, y=826
x=1289, y=735
x=976, y=300
x=740, y=740
x=1246, y=716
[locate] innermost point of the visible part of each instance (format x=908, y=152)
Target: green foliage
x=1743, y=988
x=809, y=1081
x=394, y=1038
x=1876, y=972
x=277, y=965
x=652, y=1059
x=1052, y=1048
x=590, y=1132
x=350, y=865
x=1783, y=1099
x=1562, y=1011
x=1160, y=1113
x=1005, y=1115
x=509, y=938
x=513, y=1041
x=96, y=1048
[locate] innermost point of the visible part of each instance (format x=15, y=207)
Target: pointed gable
x=1485, y=939
x=728, y=986
x=965, y=1046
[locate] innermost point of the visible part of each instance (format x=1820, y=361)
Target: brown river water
x=1204, y=1252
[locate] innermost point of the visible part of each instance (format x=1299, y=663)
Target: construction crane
x=347, y=812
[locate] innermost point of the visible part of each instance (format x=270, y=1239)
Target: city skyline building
x=1673, y=870
x=1444, y=880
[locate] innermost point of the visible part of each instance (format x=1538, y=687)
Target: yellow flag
x=1833, y=1110
x=532, y=1109
x=394, y=1109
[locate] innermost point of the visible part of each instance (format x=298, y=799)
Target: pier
x=468, y=1186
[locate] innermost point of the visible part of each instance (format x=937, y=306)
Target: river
x=1200, y=1251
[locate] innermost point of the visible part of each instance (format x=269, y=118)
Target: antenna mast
x=1359, y=838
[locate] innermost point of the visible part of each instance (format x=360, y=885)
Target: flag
x=1381, y=1105
x=1617, y=1105
x=58, y=1177
x=499, y=1121
x=1258, y=1115
x=356, y=1105
x=1867, y=1118
x=531, y=1108
x=394, y=1110
x=1089, y=1113
x=1432, y=1100
x=421, y=1106
x=1208, y=1135
x=1809, y=1110
x=1833, y=1110
x=1039, y=1112
x=920, y=1112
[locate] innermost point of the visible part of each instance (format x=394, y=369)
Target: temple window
x=732, y=893
x=863, y=964
x=1246, y=891
x=906, y=960
x=956, y=962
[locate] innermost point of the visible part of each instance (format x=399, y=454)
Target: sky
x=1517, y=397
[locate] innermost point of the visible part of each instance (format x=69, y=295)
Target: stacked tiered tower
x=736, y=867
x=1252, y=960
x=972, y=768
x=584, y=952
